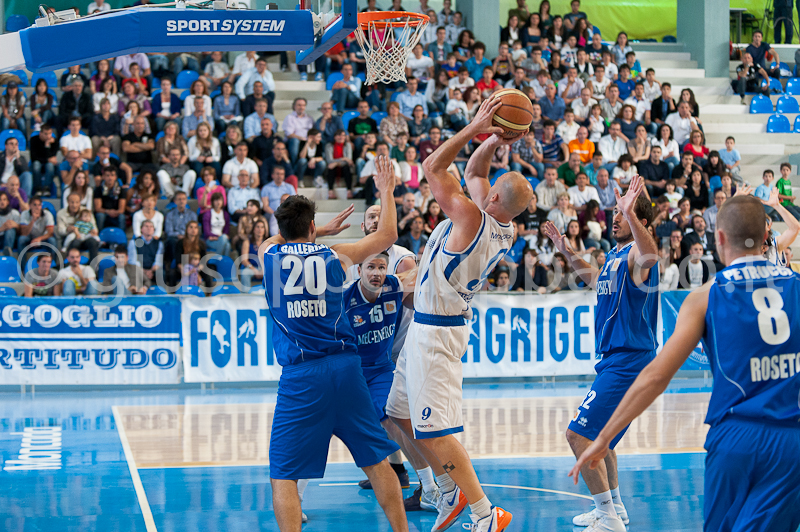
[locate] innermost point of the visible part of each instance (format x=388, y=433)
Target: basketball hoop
x=387, y=38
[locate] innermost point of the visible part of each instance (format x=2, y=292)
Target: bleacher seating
x=186, y=78
x=223, y=266
x=793, y=86
x=225, y=289
x=17, y=134
x=9, y=270
x=760, y=105
x=778, y=124
x=787, y=104
x=189, y=291
x=113, y=236
x=17, y=22
x=7, y=291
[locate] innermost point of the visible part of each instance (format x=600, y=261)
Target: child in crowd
x=731, y=159
x=624, y=84
x=597, y=124
x=518, y=53
x=569, y=52
x=190, y=272
x=367, y=151
x=599, y=83
x=399, y=150
x=634, y=65
x=624, y=171
x=451, y=66
x=673, y=196
x=610, y=69
x=83, y=228
x=457, y=111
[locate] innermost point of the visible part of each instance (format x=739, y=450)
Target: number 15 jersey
x=304, y=284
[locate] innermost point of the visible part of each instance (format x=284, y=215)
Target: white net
x=386, y=48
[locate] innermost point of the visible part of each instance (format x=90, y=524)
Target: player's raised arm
x=476, y=175
x=787, y=238
x=586, y=271
x=386, y=234
x=645, y=255
x=446, y=189
x=653, y=379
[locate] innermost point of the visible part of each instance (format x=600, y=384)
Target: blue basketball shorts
x=379, y=381
x=615, y=374
x=752, y=472
x=316, y=400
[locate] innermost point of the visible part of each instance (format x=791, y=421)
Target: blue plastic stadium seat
x=155, y=93
x=377, y=116
x=787, y=104
x=156, y=290
x=775, y=86
x=349, y=115
x=669, y=38
x=49, y=77
x=17, y=134
x=225, y=289
x=257, y=289
x=113, y=236
x=333, y=78
x=213, y=94
x=760, y=105
x=797, y=124
x=9, y=270
x=186, y=78
x=160, y=135
x=778, y=124
x=190, y=291
x=17, y=22
x=103, y=265
x=793, y=86
x=22, y=75
x=224, y=266
x=7, y=291
x=184, y=94
x=49, y=207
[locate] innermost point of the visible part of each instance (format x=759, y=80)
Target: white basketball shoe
x=590, y=517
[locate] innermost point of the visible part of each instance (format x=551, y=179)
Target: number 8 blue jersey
x=304, y=286
x=752, y=336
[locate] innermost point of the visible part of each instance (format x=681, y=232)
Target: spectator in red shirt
x=487, y=85
x=426, y=147
x=696, y=147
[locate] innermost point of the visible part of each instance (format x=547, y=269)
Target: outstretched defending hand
x=593, y=455
x=773, y=198
x=746, y=190
x=384, y=174
x=483, y=119
x=559, y=240
x=337, y=225
x=627, y=202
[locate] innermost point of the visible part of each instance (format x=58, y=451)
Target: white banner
x=62, y=340
x=228, y=338
x=530, y=335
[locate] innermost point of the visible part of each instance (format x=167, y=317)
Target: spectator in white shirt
x=244, y=85
x=582, y=107
x=462, y=81
x=233, y=166
x=612, y=146
x=98, y=5
x=582, y=193
x=296, y=126
x=568, y=128
x=599, y=83
x=570, y=88
x=682, y=124
x=347, y=91
x=419, y=66
x=641, y=106
x=652, y=87
x=242, y=64
x=75, y=140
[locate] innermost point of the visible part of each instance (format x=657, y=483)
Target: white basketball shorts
x=427, y=382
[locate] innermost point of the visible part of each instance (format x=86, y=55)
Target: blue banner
x=60, y=340
x=670, y=306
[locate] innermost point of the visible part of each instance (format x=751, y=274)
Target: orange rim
x=383, y=19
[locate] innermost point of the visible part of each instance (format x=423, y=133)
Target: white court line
x=340, y=484
x=149, y=523
x=527, y=488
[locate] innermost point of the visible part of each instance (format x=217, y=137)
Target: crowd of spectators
x=122, y=138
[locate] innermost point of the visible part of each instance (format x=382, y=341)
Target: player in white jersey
x=426, y=393
x=775, y=245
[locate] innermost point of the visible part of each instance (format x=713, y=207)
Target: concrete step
x=758, y=141
x=301, y=86
x=658, y=64
x=736, y=129
x=668, y=74
x=762, y=159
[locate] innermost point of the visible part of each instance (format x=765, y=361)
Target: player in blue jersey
x=625, y=337
x=748, y=318
x=322, y=391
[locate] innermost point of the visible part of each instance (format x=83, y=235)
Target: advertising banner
x=61, y=340
x=670, y=306
x=228, y=339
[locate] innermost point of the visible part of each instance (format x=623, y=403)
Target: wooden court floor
x=238, y=434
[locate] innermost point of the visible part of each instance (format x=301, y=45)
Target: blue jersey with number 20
x=304, y=287
x=374, y=323
x=752, y=335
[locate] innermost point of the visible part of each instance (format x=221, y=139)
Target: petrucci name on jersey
x=759, y=271
x=306, y=308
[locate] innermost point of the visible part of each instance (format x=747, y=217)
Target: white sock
x=396, y=458
x=616, y=498
x=482, y=508
x=604, y=505
x=301, y=487
x=446, y=483
x=426, y=478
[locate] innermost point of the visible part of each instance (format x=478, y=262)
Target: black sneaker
x=412, y=503
x=402, y=476
x=365, y=484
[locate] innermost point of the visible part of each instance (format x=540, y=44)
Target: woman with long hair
x=146, y=185
x=670, y=151
x=532, y=276
x=669, y=274
x=191, y=242
x=419, y=126
x=714, y=167
x=687, y=95
x=573, y=234
x=639, y=146
x=472, y=97
x=433, y=216
x=593, y=226
x=108, y=90
x=216, y=225
x=627, y=122
x=198, y=90
x=132, y=110
x=437, y=92
x=683, y=218
x=98, y=80
x=339, y=163
x=211, y=186
x=172, y=139
x=532, y=33
x=621, y=48
x=80, y=186
x=252, y=214
x=545, y=20
x=227, y=107
x=696, y=146
x=697, y=191
x=233, y=136
x=581, y=32
x=463, y=48
x=563, y=213
x=557, y=34
x=204, y=149
x=251, y=266
x=13, y=107
x=42, y=105
x=512, y=32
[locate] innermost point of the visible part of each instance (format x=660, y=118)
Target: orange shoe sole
x=504, y=521
x=462, y=503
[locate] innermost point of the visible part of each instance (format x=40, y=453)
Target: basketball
x=516, y=113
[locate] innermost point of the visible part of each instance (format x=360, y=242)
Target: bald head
x=740, y=222
x=511, y=194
